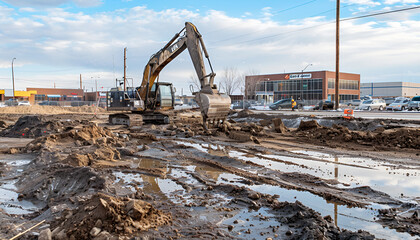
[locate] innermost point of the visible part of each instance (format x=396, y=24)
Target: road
x=406, y=115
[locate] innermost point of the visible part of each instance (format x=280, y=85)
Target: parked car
x=49, y=103
x=24, y=103
x=11, y=102
x=373, y=104
x=286, y=103
x=366, y=97
x=414, y=103
x=353, y=102
x=400, y=103
x=389, y=100
x=324, y=105
x=240, y=105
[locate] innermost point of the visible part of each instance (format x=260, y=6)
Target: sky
x=54, y=41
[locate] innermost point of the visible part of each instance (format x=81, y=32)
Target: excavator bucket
x=214, y=107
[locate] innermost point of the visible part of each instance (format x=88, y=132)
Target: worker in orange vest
x=293, y=104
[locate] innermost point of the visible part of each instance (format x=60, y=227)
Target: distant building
x=390, y=89
x=7, y=94
x=310, y=86
x=236, y=98
x=57, y=94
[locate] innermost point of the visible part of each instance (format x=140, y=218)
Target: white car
x=373, y=104
x=24, y=103
x=400, y=104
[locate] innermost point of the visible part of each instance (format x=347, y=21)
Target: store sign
x=299, y=76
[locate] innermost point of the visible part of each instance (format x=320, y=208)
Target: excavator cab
x=162, y=96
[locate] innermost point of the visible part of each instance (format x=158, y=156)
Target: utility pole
x=13, y=78
x=80, y=81
x=337, y=57
x=125, y=68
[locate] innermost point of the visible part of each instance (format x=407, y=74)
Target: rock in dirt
x=118, y=216
x=279, y=126
x=307, y=125
x=3, y=124
x=45, y=234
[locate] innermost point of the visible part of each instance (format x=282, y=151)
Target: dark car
x=49, y=103
x=286, y=103
x=240, y=105
x=324, y=105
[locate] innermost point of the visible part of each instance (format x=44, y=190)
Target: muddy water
x=354, y=171
x=8, y=192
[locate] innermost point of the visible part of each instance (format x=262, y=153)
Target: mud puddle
x=344, y=217
x=251, y=224
x=398, y=182
x=169, y=189
x=9, y=198
x=357, y=171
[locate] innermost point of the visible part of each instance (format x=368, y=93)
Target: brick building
x=57, y=94
x=310, y=86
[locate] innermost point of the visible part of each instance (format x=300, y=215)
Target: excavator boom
x=213, y=105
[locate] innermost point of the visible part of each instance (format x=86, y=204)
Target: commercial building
x=310, y=86
x=390, y=89
x=57, y=94
x=7, y=94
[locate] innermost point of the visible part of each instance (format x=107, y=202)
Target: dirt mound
x=87, y=135
x=47, y=110
x=58, y=182
x=3, y=124
x=380, y=138
x=279, y=126
x=306, y=125
x=103, y=213
x=33, y=126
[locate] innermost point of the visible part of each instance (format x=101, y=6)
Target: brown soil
x=103, y=215
x=76, y=180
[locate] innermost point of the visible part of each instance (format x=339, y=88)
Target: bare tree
x=195, y=85
x=249, y=85
x=230, y=81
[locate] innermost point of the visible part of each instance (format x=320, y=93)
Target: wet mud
x=253, y=177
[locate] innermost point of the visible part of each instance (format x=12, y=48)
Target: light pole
x=13, y=79
x=301, y=80
x=96, y=88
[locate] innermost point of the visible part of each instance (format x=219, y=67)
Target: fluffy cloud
x=400, y=1
x=61, y=44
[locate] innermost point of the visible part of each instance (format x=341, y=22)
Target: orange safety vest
x=293, y=103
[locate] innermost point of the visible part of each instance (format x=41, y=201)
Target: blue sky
x=56, y=40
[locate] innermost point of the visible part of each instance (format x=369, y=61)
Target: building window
x=39, y=97
x=344, y=84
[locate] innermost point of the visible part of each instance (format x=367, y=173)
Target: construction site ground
x=70, y=175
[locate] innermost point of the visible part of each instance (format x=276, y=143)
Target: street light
x=301, y=80
x=13, y=79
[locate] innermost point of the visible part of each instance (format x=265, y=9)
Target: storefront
x=310, y=86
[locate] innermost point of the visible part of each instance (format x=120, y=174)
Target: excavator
x=152, y=98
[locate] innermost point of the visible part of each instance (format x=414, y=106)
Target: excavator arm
x=213, y=105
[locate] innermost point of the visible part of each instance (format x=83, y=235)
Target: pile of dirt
x=58, y=183
x=380, y=138
x=104, y=215
x=47, y=110
x=33, y=126
x=309, y=224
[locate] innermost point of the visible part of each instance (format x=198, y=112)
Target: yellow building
x=19, y=95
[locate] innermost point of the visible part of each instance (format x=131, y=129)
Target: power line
x=344, y=19
x=381, y=13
